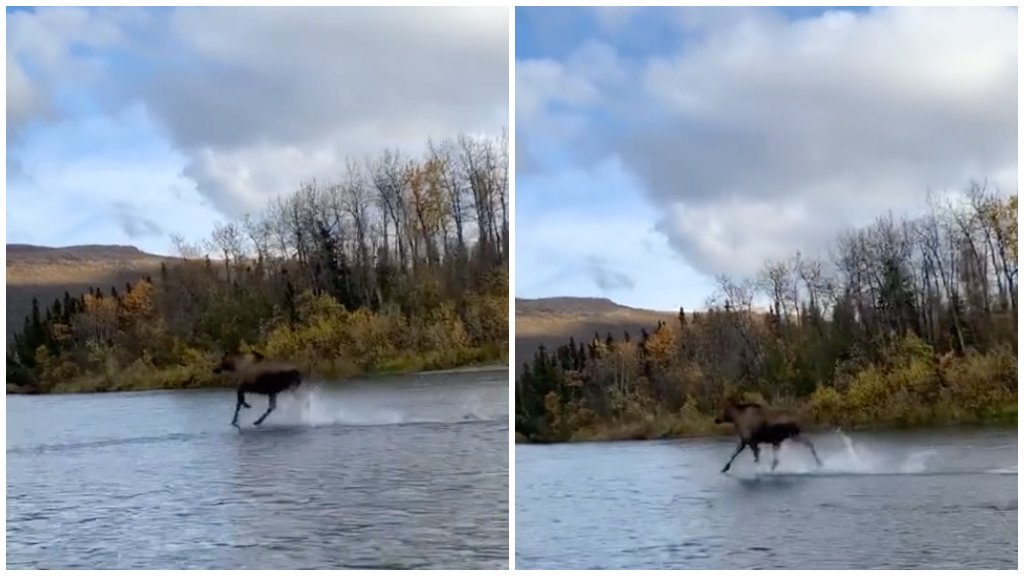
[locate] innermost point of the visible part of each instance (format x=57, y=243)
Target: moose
x=258, y=376
x=757, y=425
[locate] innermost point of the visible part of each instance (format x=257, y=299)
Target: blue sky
x=127, y=125
x=659, y=147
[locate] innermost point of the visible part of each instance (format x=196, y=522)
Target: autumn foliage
x=400, y=265
x=911, y=322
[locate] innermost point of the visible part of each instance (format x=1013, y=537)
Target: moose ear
x=259, y=357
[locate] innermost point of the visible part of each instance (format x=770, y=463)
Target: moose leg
x=270, y=408
x=756, y=451
x=775, y=456
x=807, y=443
x=734, y=455
x=238, y=405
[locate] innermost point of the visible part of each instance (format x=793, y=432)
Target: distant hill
x=46, y=273
x=552, y=321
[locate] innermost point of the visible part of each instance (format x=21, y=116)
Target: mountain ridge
x=554, y=320
x=46, y=272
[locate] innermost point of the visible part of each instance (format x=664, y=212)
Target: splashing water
x=310, y=406
x=851, y=458
x=314, y=406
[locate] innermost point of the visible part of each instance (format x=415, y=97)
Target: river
x=884, y=500
x=408, y=472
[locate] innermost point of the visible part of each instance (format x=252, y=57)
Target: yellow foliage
x=554, y=421
x=487, y=319
x=139, y=303
x=98, y=321
x=444, y=330
x=982, y=383
x=826, y=404
x=662, y=345
x=124, y=343
x=691, y=410
x=53, y=369
x=337, y=342
x=631, y=405
x=1003, y=216
x=61, y=333
x=321, y=306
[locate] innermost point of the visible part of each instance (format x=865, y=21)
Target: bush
x=827, y=406
x=983, y=385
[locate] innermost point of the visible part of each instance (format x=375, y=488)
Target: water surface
x=896, y=500
x=399, y=473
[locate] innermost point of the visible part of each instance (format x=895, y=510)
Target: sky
x=128, y=125
x=658, y=148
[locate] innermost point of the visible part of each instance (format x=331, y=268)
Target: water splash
x=314, y=406
x=850, y=458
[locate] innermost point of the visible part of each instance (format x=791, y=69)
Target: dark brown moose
x=257, y=375
x=756, y=425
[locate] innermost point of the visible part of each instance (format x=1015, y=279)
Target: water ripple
x=893, y=501
x=104, y=491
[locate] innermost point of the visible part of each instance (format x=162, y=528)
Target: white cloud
x=764, y=136
x=552, y=98
x=22, y=98
x=56, y=44
x=98, y=199
x=261, y=99
x=589, y=232
x=48, y=35
x=618, y=255
x=292, y=92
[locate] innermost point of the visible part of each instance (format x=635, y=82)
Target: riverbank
x=670, y=427
x=139, y=377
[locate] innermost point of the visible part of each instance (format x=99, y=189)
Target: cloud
x=553, y=101
x=133, y=223
x=606, y=278
x=588, y=232
x=761, y=136
x=258, y=100
x=103, y=180
x=53, y=50
x=614, y=18
x=22, y=98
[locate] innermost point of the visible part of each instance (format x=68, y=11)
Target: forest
x=399, y=265
x=905, y=322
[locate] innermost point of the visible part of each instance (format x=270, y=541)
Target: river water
x=405, y=472
x=894, y=500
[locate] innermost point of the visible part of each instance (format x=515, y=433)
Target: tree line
x=401, y=263
x=906, y=321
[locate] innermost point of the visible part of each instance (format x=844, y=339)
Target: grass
x=659, y=427
x=139, y=377
x=439, y=360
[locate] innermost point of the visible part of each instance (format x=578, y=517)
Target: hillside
x=552, y=321
x=46, y=273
